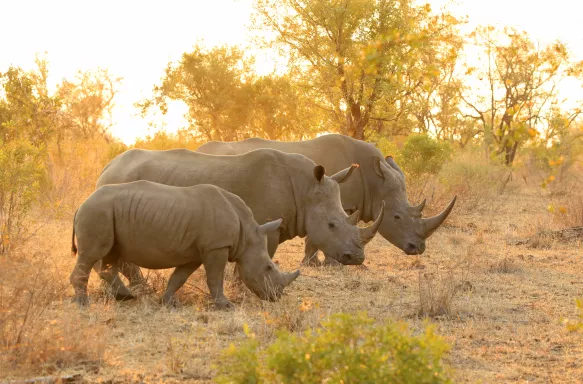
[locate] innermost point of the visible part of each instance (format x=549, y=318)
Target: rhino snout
x=348, y=258
x=414, y=249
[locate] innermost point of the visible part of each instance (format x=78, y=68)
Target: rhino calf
x=157, y=226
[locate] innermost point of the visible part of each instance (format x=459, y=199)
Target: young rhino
x=157, y=226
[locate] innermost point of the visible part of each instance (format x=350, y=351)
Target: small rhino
x=158, y=226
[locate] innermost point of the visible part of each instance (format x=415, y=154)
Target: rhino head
x=329, y=227
x=403, y=224
x=257, y=270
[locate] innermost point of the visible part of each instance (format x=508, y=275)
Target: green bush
x=21, y=174
x=577, y=326
x=346, y=349
x=422, y=154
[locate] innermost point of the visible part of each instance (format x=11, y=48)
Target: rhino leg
x=214, y=265
x=109, y=272
x=79, y=278
x=133, y=273
x=310, y=254
x=177, y=280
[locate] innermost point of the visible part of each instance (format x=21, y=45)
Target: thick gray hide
x=378, y=180
x=158, y=226
x=272, y=183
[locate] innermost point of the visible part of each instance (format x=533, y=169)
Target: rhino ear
x=381, y=169
x=343, y=175
x=270, y=226
x=319, y=172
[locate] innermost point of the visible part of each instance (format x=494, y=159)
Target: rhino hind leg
x=109, y=272
x=214, y=264
x=133, y=273
x=79, y=279
x=177, y=280
x=310, y=254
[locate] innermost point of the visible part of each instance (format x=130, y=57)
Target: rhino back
x=268, y=181
x=335, y=152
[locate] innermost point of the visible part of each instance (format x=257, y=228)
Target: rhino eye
x=331, y=225
x=397, y=217
x=269, y=267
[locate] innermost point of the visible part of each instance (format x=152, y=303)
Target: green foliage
x=162, y=140
x=422, y=154
x=347, y=348
x=21, y=175
x=386, y=146
x=227, y=101
x=577, y=325
x=362, y=60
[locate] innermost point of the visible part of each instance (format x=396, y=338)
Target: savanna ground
x=500, y=302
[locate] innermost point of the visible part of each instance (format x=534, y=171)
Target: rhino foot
x=124, y=296
x=224, y=305
x=82, y=301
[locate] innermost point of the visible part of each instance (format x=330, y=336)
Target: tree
x=88, y=102
x=29, y=118
x=227, y=101
x=214, y=84
x=361, y=59
x=515, y=88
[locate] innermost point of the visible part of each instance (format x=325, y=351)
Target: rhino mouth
x=414, y=249
x=348, y=258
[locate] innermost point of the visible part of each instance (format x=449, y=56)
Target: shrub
x=422, y=154
x=577, y=326
x=347, y=348
x=21, y=175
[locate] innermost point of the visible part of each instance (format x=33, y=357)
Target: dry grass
x=499, y=306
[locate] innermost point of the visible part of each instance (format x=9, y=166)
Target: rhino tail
x=73, y=246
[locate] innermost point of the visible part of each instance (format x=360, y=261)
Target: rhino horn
x=354, y=218
x=288, y=278
x=342, y=176
x=429, y=225
x=366, y=234
x=419, y=208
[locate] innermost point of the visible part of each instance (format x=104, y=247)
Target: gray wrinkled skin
x=378, y=179
x=272, y=183
x=158, y=226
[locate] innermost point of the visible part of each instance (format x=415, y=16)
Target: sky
x=136, y=40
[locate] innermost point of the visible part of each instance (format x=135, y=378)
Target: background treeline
x=461, y=113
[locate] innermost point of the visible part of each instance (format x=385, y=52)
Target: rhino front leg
x=214, y=264
x=310, y=254
x=177, y=280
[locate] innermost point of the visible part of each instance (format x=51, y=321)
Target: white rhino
x=272, y=183
x=158, y=226
x=379, y=180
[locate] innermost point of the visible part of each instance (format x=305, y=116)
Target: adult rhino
x=379, y=180
x=272, y=183
x=158, y=226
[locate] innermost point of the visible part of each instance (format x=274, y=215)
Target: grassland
x=500, y=302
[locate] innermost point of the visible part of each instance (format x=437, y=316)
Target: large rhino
x=379, y=180
x=158, y=226
x=272, y=183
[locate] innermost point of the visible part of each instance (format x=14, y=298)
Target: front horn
x=366, y=234
x=290, y=277
x=429, y=225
